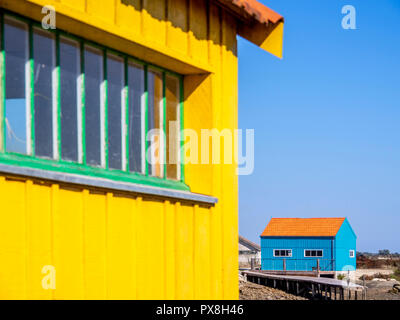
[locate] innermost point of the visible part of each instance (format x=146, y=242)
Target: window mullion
x=181, y=136
x=81, y=123
x=164, y=128
x=31, y=97
x=104, y=118
x=125, y=115
x=56, y=102
x=146, y=114
x=3, y=86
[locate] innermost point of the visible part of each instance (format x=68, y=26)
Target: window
x=70, y=100
x=44, y=92
x=17, y=84
x=351, y=253
x=94, y=106
x=77, y=106
x=115, y=114
x=172, y=130
x=136, y=112
x=313, y=253
x=282, y=252
x=155, y=123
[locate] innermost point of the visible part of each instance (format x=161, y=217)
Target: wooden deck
x=312, y=287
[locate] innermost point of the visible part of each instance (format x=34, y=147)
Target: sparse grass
x=341, y=276
x=396, y=274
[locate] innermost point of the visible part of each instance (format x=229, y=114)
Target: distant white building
x=247, y=251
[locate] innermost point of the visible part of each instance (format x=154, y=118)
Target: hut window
x=136, y=112
x=94, y=106
x=84, y=108
x=44, y=93
x=313, y=253
x=17, y=95
x=115, y=99
x=282, y=252
x=351, y=253
x=155, y=123
x=172, y=94
x=70, y=100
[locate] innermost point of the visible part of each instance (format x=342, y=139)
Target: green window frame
x=81, y=167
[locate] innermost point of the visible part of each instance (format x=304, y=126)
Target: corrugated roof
x=303, y=227
x=249, y=243
x=252, y=9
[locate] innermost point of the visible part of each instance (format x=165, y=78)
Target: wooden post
x=274, y=283
x=252, y=263
x=284, y=264
x=349, y=293
x=287, y=286
x=297, y=288
x=317, y=267
x=355, y=294
x=341, y=293
x=313, y=289
x=335, y=293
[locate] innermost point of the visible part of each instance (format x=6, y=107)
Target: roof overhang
x=257, y=23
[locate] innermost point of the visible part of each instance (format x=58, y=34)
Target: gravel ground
x=378, y=290
x=381, y=290
x=252, y=291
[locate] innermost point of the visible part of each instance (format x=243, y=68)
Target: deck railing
x=309, y=264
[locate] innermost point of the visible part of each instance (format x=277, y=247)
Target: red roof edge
x=253, y=10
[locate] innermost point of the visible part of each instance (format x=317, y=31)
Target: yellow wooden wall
x=109, y=245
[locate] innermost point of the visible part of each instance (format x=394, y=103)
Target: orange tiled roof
x=303, y=227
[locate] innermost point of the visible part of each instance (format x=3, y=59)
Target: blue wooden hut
x=299, y=244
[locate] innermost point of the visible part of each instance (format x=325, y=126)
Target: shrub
x=341, y=276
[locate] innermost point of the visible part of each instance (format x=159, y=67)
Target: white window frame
x=288, y=256
x=351, y=254
x=313, y=250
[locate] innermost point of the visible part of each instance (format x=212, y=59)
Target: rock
x=378, y=279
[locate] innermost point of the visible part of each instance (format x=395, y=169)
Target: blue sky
x=326, y=120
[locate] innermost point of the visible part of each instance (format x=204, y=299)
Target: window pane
x=173, y=128
x=44, y=57
x=69, y=82
x=17, y=72
x=93, y=105
x=155, y=121
x=115, y=85
x=136, y=117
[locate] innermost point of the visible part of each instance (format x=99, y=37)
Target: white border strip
x=108, y=184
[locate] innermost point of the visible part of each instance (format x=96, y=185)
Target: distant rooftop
x=249, y=244
x=303, y=227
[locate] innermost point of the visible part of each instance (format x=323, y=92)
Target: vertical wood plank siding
x=115, y=246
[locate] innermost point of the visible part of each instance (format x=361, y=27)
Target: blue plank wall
x=336, y=255
x=345, y=241
x=297, y=262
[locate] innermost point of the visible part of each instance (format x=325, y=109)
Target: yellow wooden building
x=84, y=214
